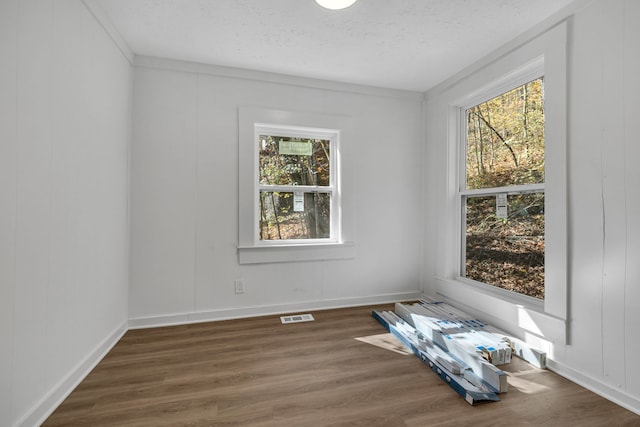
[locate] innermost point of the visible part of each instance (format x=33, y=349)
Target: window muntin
x=502, y=191
x=296, y=188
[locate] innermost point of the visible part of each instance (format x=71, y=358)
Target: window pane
x=285, y=216
x=507, y=253
x=294, y=161
x=505, y=139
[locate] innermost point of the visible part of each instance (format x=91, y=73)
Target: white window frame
x=333, y=136
x=526, y=74
x=251, y=250
x=520, y=314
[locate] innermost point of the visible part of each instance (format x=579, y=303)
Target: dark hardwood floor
x=257, y=372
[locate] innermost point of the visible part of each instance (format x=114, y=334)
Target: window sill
x=504, y=295
x=502, y=310
x=296, y=253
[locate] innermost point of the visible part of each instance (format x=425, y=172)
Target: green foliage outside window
x=505, y=147
x=505, y=139
x=279, y=220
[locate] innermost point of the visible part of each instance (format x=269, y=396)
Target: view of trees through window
x=504, y=241
x=295, y=188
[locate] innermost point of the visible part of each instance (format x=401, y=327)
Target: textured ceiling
x=402, y=44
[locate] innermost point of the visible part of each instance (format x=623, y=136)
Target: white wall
x=185, y=195
x=603, y=202
x=64, y=132
x=604, y=196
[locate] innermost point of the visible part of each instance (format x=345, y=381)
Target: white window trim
x=546, y=319
x=250, y=249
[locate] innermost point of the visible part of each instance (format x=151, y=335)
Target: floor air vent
x=296, y=318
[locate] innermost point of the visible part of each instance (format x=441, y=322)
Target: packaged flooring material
x=462, y=350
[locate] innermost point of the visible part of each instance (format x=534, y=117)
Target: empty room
x=319, y=212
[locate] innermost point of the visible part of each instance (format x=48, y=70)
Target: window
x=291, y=205
x=538, y=194
x=296, y=186
x=502, y=190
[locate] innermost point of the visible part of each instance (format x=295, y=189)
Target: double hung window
x=296, y=188
x=502, y=190
x=504, y=210
x=291, y=207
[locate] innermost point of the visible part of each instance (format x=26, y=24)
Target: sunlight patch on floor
x=524, y=385
x=386, y=341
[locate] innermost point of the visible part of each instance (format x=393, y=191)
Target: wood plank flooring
x=257, y=372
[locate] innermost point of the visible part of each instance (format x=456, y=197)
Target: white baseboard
x=43, y=409
x=616, y=396
x=48, y=404
x=236, y=313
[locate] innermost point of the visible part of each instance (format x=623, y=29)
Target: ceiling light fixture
x=335, y=4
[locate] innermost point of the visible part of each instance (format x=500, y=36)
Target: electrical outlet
x=239, y=286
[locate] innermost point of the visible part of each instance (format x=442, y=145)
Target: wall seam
x=196, y=194
x=624, y=187
x=15, y=215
